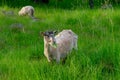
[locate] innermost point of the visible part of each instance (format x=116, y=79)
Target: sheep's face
x=49, y=38
x=22, y=12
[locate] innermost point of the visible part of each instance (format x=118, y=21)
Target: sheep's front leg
x=48, y=57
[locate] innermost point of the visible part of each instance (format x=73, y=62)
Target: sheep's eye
x=48, y=36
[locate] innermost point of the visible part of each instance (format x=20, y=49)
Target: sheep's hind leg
x=58, y=58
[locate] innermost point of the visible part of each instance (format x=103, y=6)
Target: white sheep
x=57, y=47
x=26, y=10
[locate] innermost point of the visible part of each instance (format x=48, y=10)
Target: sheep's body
x=66, y=41
x=26, y=10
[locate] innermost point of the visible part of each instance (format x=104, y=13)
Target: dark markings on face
x=49, y=33
x=49, y=36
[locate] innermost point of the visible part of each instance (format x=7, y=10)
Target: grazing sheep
x=27, y=10
x=57, y=47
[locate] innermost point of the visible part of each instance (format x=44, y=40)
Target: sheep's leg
x=63, y=60
x=49, y=59
x=58, y=58
x=75, y=45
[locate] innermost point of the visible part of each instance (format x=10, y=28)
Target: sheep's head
x=22, y=12
x=49, y=38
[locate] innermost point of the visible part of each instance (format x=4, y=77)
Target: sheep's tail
x=75, y=42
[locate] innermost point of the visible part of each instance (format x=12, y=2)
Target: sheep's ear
x=42, y=33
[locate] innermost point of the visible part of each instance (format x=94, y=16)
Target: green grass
x=97, y=58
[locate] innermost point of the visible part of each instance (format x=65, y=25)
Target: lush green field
x=97, y=58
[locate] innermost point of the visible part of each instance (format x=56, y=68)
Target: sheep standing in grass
x=27, y=10
x=57, y=47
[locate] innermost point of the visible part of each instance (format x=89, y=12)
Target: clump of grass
x=35, y=53
x=3, y=71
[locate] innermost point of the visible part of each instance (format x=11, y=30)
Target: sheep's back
x=26, y=9
x=65, y=42
x=65, y=35
x=29, y=7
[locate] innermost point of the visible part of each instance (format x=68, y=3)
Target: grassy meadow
x=97, y=57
